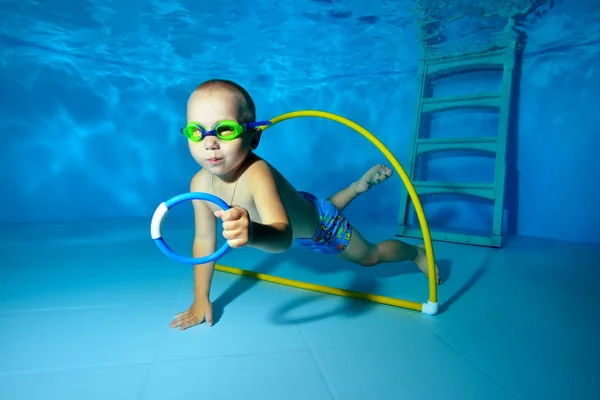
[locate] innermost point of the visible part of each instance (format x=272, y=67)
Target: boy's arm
x=274, y=234
x=205, y=242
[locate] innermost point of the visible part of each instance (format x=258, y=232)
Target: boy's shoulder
x=256, y=166
x=259, y=168
x=200, y=180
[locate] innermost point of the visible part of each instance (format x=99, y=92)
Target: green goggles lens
x=224, y=130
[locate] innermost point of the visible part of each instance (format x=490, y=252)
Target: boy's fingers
x=230, y=215
x=234, y=213
x=230, y=225
x=177, y=319
x=181, y=314
x=188, y=322
x=208, y=316
x=231, y=234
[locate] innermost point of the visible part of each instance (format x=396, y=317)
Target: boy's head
x=246, y=109
x=215, y=101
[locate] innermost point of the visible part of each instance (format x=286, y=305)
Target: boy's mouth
x=214, y=160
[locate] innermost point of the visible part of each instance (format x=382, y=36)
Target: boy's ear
x=255, y=139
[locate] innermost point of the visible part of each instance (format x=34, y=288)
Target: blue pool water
x=93, y=95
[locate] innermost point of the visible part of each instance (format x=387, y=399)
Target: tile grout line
x=152, y=364
x=81, y=308
x=467, y=359
x=313, y=356
x=73, y=367
x=175, y=359
x=316, y=360
x=148, y=362
x=161, y=345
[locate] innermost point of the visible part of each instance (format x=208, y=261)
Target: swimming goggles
x=224, y=130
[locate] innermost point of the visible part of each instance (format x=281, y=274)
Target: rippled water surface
x=271, y=41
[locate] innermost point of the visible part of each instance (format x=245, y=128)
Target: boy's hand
x=200, y=310
x=236, y=226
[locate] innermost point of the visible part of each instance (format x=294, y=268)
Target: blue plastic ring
x=159, y=215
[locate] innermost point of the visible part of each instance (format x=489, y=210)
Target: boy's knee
x=369, y=260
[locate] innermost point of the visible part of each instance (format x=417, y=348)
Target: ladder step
x=474, y=239
x=434, y=104
x=485, y=190
x=486, y=143
x=491, y=60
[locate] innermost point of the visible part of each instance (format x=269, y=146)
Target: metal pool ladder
x=429, y=70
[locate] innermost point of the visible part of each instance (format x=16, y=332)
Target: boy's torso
x=303, y=216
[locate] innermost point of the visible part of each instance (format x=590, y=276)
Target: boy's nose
x=211, y=143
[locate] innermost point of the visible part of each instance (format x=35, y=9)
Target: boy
x=267, y=212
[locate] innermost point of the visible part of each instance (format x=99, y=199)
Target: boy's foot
x=421, y=262
x=375, y=175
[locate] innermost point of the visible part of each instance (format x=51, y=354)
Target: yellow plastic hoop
x=431, y=306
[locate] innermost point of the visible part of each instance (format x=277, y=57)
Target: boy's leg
x=372, y=177
x=367, y=254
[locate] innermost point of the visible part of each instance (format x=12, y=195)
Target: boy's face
x=219, y=157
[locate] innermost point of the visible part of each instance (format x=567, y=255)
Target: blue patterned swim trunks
x=334, y=231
